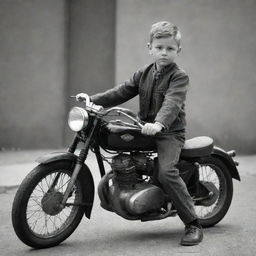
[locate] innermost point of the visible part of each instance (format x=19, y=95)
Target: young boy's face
x=164, y=51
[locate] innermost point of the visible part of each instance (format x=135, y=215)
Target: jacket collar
x=162, y=71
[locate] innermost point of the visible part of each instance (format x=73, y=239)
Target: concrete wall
x=32, y=73
x=50, y=50
x=219, y=54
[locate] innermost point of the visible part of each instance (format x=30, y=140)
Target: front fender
x=84, y=176
x=56, y=156
x=227, y=160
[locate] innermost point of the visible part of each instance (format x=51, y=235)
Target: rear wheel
x=215, y=177
x=37, y=216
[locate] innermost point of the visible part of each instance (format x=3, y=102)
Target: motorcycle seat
x=197, y=147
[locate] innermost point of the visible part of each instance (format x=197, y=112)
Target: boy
x=162, y=89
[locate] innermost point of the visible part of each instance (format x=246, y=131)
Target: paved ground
x=108, y=234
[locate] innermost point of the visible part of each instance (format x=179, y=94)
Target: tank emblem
x=127, y=137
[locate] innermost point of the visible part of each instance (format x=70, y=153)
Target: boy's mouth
x=163, y=59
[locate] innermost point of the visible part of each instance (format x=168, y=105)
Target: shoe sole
x=191, y=243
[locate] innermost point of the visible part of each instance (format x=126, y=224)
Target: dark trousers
x=169, y=147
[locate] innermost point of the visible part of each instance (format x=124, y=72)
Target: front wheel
x=37, y=216
x=213, y=173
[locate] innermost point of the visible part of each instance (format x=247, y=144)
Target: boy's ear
x=149, y=48
x=179, y=50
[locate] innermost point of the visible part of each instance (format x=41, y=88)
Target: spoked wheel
x=215, y=177
x=38, y=218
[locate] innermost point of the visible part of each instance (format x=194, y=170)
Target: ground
x=109, y=234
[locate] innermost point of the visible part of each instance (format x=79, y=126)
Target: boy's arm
x=174, y=99
x=119, y=94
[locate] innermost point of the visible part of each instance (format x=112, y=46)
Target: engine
x=125, y=192
x=124, y=171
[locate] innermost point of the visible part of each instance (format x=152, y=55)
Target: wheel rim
x=213, y=174
x=40, y=222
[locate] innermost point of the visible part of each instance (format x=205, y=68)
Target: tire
x=51, y=225
x=217, y=208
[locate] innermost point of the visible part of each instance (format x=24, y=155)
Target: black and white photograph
x=127, y=127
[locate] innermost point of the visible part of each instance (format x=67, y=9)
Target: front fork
x=80, y=161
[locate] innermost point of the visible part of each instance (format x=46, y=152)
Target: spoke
x=33, y=206
x=61, y=182
x=63, y=185
x=33, y=214
x=53, y=222
x=34, y=195
x=33, y=227
x=36, y=221
x=46, y=224
x=40, y=191
x=40, y=215
x=35, y=209
x=37, y=202
x=58, y=216
x=46, y=181
x=39, y=185
x=51, y=177
x=41, y=231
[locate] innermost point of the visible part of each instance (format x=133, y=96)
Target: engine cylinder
x=124, y=170
x=144, y=165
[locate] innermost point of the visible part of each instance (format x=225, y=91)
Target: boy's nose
x=164, y=52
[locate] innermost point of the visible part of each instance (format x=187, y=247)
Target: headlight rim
x=83, y=118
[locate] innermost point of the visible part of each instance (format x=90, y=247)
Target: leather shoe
x=193, y=235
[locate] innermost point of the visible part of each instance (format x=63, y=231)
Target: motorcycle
x=52, y=199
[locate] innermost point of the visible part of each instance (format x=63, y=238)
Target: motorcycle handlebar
x=89, y=106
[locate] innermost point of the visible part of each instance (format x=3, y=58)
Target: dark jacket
x=161, y=99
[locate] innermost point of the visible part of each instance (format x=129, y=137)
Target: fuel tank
x=115, y=137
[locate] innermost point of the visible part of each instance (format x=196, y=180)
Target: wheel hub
x=51, y=202
x=212, y=196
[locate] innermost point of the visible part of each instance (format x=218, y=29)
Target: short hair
x=165, y=29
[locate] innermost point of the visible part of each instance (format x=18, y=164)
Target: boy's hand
x=151, y=128
x=82, y=97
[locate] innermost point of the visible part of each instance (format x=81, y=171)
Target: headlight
x=78, y=119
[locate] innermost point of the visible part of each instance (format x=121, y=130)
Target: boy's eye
x=159, y=47
x=170, y=49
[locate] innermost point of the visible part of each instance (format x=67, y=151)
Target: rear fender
x=85, y=176
x=227, y=160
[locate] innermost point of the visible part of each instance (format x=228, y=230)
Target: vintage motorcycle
x=54, y=196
